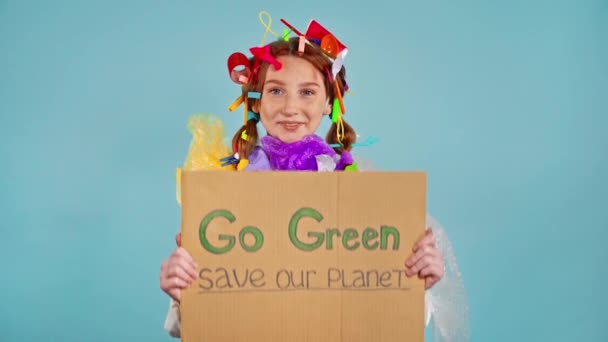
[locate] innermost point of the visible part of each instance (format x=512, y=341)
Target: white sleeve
x=172, y=322
x=427, y=308
x=446, y=302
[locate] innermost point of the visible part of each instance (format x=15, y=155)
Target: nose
x=290, y=105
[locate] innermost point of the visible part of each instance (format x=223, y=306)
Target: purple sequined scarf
x=300, y=155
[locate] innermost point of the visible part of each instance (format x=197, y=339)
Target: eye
x=308, y=92
x=275, y=91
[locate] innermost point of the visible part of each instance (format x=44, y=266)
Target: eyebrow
x=305, y=84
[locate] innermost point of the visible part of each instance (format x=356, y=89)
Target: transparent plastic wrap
x=207, y=147
x=365, y=165
x=326, y=163
x=446, y=301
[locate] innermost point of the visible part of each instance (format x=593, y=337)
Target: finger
x=181, y=252
x=170, y=284
x=428, y=239
x=424, y=261
x=184, y=271
x=433, y=270
x=188, y=264
x=425, y=250
x=430, y=282
x=176, y=283
x=181, y=262
x=172, y=289
x=177, y=271
x=178, y=239
x=176, y=294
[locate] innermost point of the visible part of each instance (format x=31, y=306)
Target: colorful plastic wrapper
x=207, y=147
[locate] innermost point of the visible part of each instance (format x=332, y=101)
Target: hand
x=178, y=271
x=426, y=261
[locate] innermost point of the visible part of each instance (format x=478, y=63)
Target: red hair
x=315, y=56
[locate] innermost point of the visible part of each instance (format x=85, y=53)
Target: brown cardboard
x=335, y=294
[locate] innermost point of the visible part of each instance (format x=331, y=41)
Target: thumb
x=178, y=239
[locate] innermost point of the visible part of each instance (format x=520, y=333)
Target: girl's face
x=293, y=100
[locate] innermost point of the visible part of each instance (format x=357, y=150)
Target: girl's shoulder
x=258, y=160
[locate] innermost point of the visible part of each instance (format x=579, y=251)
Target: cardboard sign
x=302, y=256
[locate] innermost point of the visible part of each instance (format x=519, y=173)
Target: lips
x=290, y=125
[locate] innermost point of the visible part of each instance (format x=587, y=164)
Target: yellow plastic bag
x=207, y=147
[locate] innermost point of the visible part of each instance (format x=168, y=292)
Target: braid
x=245, y=147
x=350, y=137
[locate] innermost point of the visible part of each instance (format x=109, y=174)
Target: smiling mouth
x=290, y=126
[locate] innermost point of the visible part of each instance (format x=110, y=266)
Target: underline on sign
x=293, y=290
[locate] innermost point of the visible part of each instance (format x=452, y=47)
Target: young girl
x=289, y=86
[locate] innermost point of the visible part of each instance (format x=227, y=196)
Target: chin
x=291, y=137
x=289, y=140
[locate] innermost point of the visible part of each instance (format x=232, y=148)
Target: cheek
x=265, y=111
x=266, y=123
x=266, y=117
x=269, y=107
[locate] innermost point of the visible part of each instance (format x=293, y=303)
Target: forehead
x=295, y=69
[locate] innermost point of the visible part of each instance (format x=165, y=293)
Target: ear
x=328, y=108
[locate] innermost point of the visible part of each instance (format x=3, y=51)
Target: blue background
x=502, y=103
